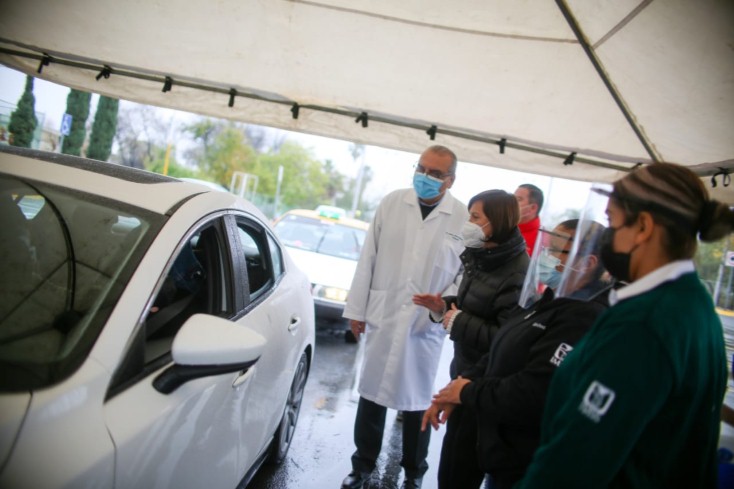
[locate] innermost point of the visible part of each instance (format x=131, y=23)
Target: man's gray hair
x=443, y=150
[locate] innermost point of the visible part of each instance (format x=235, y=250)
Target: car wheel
x=284, y=434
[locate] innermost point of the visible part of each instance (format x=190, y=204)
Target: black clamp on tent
x=569, y=159
x=432, y=132
x=502, y=144
x=44, y=62
x=167, y=84
x=725, y=177
x=106, y=72
x=295, y=108
x=363, y=118
x=232, y=95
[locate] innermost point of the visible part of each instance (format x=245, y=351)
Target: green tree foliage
x=305, y=183
x=23, y=120
x=103, y=129
x=225, y=147
x=157, y=162
x=228, y=153
x=709, y=262
x=77, y=106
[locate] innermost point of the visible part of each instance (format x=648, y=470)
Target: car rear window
x=67, y=257
x=321, y=236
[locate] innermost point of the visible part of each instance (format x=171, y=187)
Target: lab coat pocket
x=445, y=277
x=376, y=308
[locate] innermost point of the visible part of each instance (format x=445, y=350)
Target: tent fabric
x=656, y=82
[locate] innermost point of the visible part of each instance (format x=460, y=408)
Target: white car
x=153, y=333
x=326, y=245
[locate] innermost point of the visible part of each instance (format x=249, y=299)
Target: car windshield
x=321, y=236
x=67, y=257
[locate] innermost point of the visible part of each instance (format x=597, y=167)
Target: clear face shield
x=566, y=257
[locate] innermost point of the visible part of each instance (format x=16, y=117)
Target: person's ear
x=449, y=182
x=591, y=262
x=645, y=227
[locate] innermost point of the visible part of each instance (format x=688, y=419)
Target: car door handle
x=243, y=376
x=295, y=323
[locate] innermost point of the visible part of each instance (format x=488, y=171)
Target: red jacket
x=529, y=231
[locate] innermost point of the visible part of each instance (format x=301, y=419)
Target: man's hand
x=432, y=302
x=436, y=414
x=357, y=328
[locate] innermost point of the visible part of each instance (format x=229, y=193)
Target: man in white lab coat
x=412, y=246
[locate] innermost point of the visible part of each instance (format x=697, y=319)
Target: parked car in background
x=153, y=332
x=326, y=246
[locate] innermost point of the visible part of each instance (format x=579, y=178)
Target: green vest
x=636, y=404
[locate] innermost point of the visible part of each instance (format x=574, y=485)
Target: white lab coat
x=404, y=255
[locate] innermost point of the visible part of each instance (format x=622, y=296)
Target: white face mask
x=473, y=235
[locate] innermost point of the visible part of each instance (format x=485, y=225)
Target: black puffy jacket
x=488, y=291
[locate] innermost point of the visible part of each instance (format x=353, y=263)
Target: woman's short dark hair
x=502, y=211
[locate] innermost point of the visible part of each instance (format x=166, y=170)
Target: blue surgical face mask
x=426, y=187
x=547, y=272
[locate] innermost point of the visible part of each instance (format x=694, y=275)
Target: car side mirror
x=209, y=345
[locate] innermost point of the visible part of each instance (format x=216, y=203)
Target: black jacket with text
x=510, y=384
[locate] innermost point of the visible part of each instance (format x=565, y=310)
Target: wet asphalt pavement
x=319, y=457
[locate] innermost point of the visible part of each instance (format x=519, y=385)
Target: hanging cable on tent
x=106, y=72
x=363, y=118
x=502, y=144
x=569, y=159
x=295, y=108
x=232, y=95
x=167, y=84
x=432, y=132
x=725, y=177
x=45, y=61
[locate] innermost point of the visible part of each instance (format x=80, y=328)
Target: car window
x=254, y=244
x=277, y=257
x=66, y=259
x=197, y=280
x=325, y=237
x=195, y=283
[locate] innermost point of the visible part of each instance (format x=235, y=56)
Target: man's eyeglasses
x=557, y=251
x=431, y=173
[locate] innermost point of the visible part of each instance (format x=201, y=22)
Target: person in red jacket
x=530, y=199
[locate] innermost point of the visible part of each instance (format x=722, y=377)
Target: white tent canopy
x=520, y=84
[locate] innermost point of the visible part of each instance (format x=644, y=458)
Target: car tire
x=287, y=427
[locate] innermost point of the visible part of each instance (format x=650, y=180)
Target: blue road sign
x=66, y=125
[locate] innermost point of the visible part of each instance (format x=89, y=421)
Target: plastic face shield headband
x=632, y=204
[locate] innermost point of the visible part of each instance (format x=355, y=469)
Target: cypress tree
x=103, y=129
x=23, y=120
x=77, y=106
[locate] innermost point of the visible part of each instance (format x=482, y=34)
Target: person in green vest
x=636, y=404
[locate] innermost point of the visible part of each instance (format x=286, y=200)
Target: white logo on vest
x=596, y=402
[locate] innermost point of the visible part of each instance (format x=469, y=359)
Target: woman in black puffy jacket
x=495, y=262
